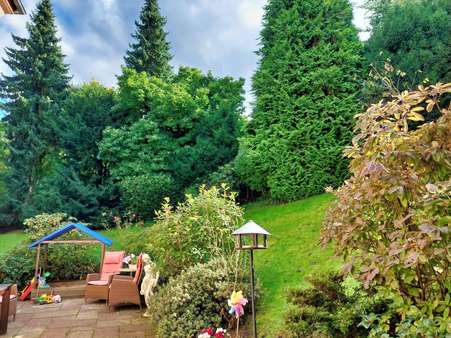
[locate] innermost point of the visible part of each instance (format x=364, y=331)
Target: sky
x=217, y=35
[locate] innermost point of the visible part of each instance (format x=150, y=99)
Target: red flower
x=208, y=330
x=219, y=335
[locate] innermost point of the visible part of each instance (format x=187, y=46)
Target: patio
x=75, y=318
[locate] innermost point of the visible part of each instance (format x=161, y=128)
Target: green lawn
x=10, y=240
x=294, y=253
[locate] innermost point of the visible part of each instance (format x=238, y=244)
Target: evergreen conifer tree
x=409, y=43
x=306, y=90
x=33, y=93
x=150, y=52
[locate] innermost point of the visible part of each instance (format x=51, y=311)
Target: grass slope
x=10, y=240
x=294, y=253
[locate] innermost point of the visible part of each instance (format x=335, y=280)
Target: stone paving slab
x=74, y=319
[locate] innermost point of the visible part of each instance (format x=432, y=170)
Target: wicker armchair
x=125, y=289
x=97, y=284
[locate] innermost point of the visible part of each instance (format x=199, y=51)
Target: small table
x=5, y=292
x=128, y=270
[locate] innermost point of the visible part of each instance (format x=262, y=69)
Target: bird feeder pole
x=251, y=236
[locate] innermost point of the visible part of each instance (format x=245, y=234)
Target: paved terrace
x=75, y=319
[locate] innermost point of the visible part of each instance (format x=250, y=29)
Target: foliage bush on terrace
x=392, y=217
x=195, y=231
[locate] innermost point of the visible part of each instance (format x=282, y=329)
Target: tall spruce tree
x=33, y=93
x=306, y=90
x=150, y=52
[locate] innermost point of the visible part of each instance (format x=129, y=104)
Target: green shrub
x=404, y=319
x=333, y=307
x=195, y=231
x=43, y=224
x=196, y=298
x=17, y=265
x=64, y=262
x=143, y=194
x=70, y=262
x=394, y=210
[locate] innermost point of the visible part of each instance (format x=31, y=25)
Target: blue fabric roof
x=69, y=227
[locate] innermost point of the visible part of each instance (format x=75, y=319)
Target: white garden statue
x=149, y=282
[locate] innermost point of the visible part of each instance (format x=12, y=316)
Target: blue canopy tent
x=97, y=238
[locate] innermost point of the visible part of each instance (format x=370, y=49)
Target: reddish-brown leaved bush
x=392, y=216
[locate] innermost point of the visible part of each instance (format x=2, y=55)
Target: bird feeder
x=251, y=236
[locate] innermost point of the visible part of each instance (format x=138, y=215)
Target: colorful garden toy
x=42, y=280
x=237, y=303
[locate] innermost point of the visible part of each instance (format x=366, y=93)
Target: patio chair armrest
x=122, y=277
x=120, y=283
x=92, y=276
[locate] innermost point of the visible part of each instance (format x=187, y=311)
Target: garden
x=345, y=160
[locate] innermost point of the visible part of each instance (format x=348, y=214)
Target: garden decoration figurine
x=149, y=282
x=251, y=236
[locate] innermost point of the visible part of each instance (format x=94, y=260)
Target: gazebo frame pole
x=38, y=253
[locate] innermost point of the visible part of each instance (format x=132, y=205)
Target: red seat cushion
x=112, y=263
